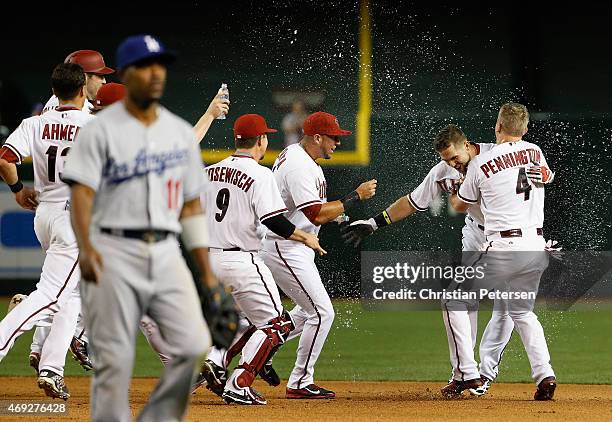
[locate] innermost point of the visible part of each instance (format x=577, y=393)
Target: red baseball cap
x=90, y=60
x=251, y=126
x=322, y=123
x=109, y=93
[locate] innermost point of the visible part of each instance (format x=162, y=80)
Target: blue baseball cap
x=142, y=47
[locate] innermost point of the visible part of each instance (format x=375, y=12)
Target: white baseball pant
x=296, y=274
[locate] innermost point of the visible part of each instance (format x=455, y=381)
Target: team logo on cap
x=152, y=44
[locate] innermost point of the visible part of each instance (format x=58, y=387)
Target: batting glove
x=540, y=174
x=354, y=233
x=554, y=249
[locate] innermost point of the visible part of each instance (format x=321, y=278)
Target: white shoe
x=482, y=390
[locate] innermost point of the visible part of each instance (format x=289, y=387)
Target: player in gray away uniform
x=137, y=169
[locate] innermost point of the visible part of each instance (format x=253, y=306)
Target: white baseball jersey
x=53, y=103
x=142, y=174
x=507, y=197
x=301, y=183
x=444, y=178
x=241, y=194
x=47, y=139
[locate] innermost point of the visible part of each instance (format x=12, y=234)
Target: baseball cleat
x=78, y=349
x=454, y=388
x=248, y=396
x=15, y=300
x=215, y=377
x=269, y=375
x=482, y=390
x=53, y=384
x=546, y=389
x=311, y=391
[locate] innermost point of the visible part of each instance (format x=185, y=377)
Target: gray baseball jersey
x=142, y=183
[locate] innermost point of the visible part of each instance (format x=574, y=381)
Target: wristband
x=17, y=187
x=383, y=219
x=195, y=232
x=350, y=200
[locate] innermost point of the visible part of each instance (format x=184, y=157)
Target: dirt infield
x=358, y=401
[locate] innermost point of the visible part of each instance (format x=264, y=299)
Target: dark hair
x=246, y=142
x=66, y=80
x=451, y=134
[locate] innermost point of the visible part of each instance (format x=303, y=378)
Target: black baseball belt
x=146, y=235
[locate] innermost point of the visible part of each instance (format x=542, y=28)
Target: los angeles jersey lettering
x=47, y=139
x=508, y=199
x=444, y=178
x=301, y=183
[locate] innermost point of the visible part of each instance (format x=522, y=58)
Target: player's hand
x=27, y=198
x=354, y=233
x=366, y=190
x=218, y=106
x=540, y=174
x=221, y=315
x=90, y=262
x=312, y=242
x=554, y=249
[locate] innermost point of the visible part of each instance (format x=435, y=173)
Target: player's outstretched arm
x=216, y=108
x=25, y=196
x=331, y=210
x=81, y=203
x=355, y=232
x=286, y=229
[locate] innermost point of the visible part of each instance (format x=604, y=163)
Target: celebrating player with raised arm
x=304, y=191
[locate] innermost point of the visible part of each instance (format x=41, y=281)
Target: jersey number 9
x=223, y=198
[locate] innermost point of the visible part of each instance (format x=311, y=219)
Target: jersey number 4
x=522, y=184
x=223, y=198
x=52, y=160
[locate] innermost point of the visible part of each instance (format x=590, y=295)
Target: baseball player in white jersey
x=96, y=70
x=138, y=170
x=512, y=203
x=304, y=191
x=246, y=201
x=47, y=139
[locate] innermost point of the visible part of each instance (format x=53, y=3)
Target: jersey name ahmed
x=301, y=184
x=508, y=199
x=47, y=139
x=239, y=196
x=444, y=178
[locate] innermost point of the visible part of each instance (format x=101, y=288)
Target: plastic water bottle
x=225, y=96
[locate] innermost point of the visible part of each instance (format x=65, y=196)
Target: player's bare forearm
x=308, y=239
x=400, y=209
x=329, y=211
x=457, y=204
x=8, y=172
x=202, y=126
x=200, y=254
x=81, y=203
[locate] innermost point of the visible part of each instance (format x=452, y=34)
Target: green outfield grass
x=365, y=345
